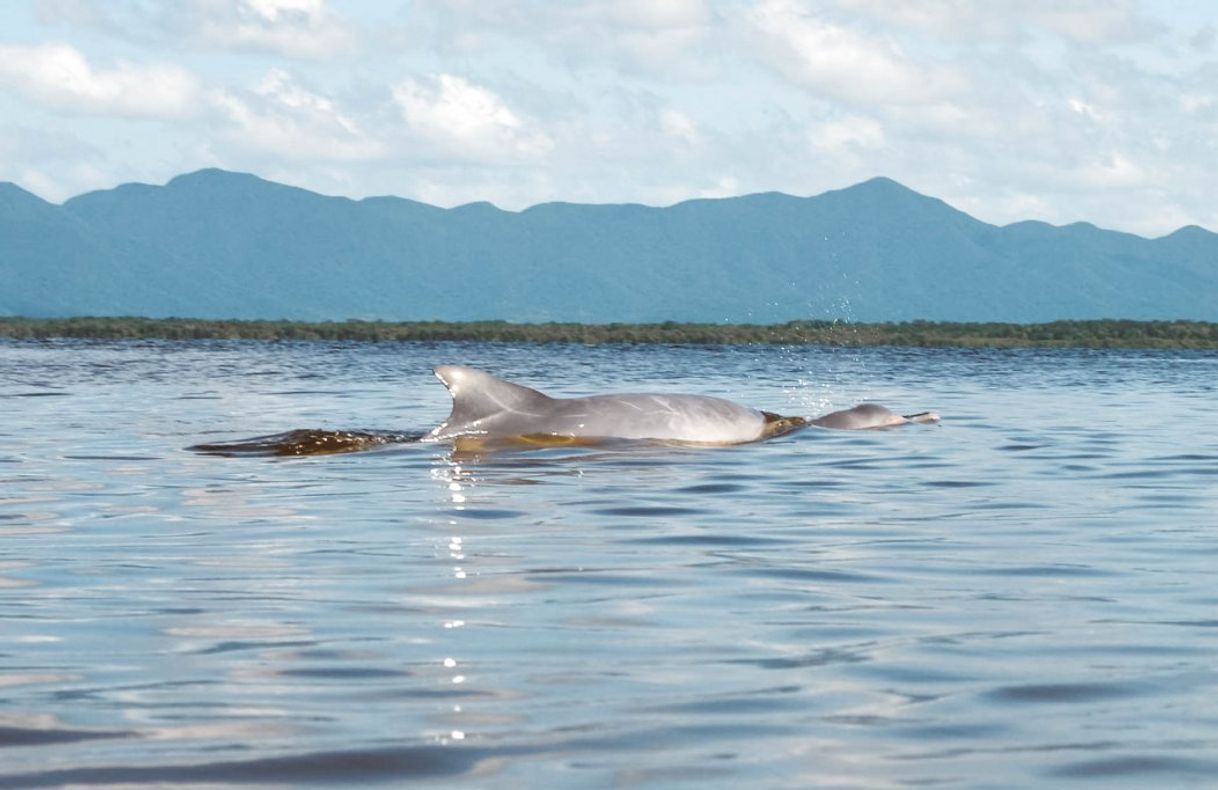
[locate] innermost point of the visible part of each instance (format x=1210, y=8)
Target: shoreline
x=1056, y=334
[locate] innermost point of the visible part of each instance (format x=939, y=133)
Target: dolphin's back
x=679, y=418
x=487, y=406
x=861, y=417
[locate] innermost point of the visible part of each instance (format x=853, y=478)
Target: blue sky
x=1059, y=110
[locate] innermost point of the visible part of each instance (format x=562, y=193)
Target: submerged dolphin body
x=487, y=408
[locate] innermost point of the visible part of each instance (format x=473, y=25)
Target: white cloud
x=639, y=37
x=849, y=65
x=679, y=127
x=657, y=14
x=293, y=28
x=284, y=119
x=1083, y=21
x=1093, y=21
x=58, y=75
x=468, y=121
x=296, y=28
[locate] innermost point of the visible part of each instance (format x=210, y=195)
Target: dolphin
x=868, y=416
x=487, y=409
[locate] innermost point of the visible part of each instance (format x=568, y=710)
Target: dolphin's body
x=487, y=408
x=866, y=416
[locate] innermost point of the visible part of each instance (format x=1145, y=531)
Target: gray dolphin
x=867, y=416
x=489, y=409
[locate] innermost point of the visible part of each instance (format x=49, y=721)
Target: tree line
x=1095, y=334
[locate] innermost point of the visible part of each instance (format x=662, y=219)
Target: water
x=1022, y=596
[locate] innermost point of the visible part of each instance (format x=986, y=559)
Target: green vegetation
x=1094, y=334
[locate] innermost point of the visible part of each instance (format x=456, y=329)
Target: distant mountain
x=215, y=244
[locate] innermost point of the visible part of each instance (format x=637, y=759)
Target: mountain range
x=218, y=244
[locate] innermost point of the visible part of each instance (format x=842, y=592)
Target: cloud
x=296, y=28
x=1055, y=109
x=640, y=37
x=282, y=118
x=49, y=162
x=1081, y=21
x=306, y=29
x=59, y=76
x=679, y=127
x=836, y=61
x=461, y=119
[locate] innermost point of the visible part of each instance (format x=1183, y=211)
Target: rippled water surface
x=1026, y=595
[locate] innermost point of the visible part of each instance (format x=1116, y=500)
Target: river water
x=1024, y=595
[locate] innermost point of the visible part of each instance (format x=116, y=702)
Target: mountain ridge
x=218, y=244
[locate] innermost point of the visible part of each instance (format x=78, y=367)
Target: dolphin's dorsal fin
x=478, y=395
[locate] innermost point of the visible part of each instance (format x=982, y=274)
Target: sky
x=1058, y=110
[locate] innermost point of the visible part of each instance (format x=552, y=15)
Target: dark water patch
x=334, y=768
x=1010, y=505
x=591, y=576
x=1063, y=456
x=859, y=463
x=308, y=392
x=859, y=720
x=812, y=575
x=1140, y=474
x=956, y=731
x=1161, y=767
x=1066, y=693
x=815, y=483
x=1183, y=457
x=650, y=511
x=1019, y=448
x=440, y=693
x=819, y=634
x=973, y=636
x=1199, y=623
x=957, y=483
x=707, y=539
x=111, y=458
x=238, y=645
x=755, y=703
x=34, y=394
x=343, y=673
x=484, y=513
x=1043, y=570
x=27, y=736
x=816, y=658
x=712, y=488
x=917, y=674
x=1169, y=499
